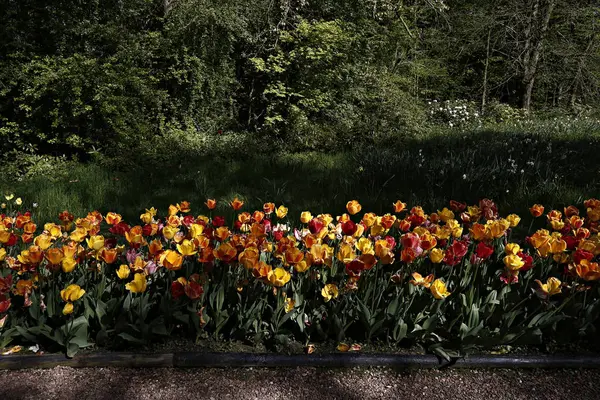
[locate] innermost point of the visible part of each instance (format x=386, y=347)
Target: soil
x=300, y=383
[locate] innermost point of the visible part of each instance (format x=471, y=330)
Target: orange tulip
x=211, y=204
x=536, y=210
x=236, y=204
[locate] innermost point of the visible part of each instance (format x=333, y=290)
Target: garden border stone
x=237, y=360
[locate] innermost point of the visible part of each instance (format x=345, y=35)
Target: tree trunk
x=535, y=34
x=485, y=73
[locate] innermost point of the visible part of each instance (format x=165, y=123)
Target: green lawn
x=554, y=163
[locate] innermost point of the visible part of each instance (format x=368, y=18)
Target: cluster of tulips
x=454, y=278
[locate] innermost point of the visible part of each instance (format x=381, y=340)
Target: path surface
x=305, y=383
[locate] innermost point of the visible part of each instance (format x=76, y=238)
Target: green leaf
x=130, y=338
x=127, y=302
x=393, y=306
x=440, y=352
x=400, y=330
x=72, y=349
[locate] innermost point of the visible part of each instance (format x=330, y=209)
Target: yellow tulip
x=9, y=197
x=330, y=291
x=436, y=255
x=550, y=288
x=169, y=232
x=95, y=242
x=196, y=230
x=305, y=216
x=289, y=304
x=353, y=207
x=345, y=253
x=557, y=246
x=68, y=309
x=187, y=248
x=281, y=212
x=53, y=230
x=513, y=262
x=123, y=271
x=138, y=285
x=171, y=260
x=68, y=264
x=446, y=215
x=513, y=219
x=365, y=246
x=278, y=277
x=72, y=293
x=512, y=248
x=2, y=254
x=78, y=234
x=54, y=256
x=43, y=241
x=439, y=290
x=418, y=280
x=18, y=201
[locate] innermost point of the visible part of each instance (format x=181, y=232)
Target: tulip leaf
x=130, y=338
x=400, y=330
x=431, y=323
x=127, y=302
x=72, y=349
x=393, y=306
x=440, y=352
x=50, y=303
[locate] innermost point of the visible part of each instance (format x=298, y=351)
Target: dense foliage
x=107, y=76
x=451, y=280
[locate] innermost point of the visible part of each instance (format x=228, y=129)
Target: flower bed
x=451, y=280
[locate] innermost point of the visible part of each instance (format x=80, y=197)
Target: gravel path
x=305, y=383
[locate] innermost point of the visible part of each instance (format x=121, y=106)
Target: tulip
x=236, y=204
x=171, y=260
x=330, y=291
x=513, y=262
x=123, y=271
x=587, y=270
x=399, y=206
x=436, y=255
x=445, y=215
x=72, y=293
x=418, y=280
x=68, y=264
x=289, y=304
x=513, y=219
x=225, y=252
x=281, y=212
x=512, y=248
x=187, y=248
x=68, y=309
x=23, y=287
x=305, y=217
x=293, y=256
x=261, y=270
x=550, y=288
x=268, y=208
x=138, y=285
x=113, y=218
x=95, y=242
x=439, y=290
x=278, y=277
x=353, y=207
x=54, y=256
x=537, y=210
x=43, y=241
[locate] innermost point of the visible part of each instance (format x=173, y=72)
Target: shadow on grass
x=513, y=168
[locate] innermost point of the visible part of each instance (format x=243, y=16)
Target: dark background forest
x=165, y=86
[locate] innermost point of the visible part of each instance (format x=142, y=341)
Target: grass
x=554, y=162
